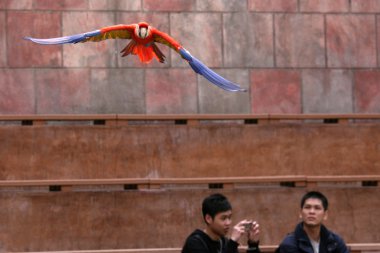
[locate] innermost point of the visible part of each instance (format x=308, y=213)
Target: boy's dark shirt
x=200, y=242
x=299, y=242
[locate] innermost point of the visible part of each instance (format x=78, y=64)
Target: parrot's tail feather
x=129, y=48
x=159, y=55
x=210, y=75
x=67, y=39
x=145, y=53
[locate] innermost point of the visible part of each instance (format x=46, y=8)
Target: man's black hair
x=214, y=204
x=315, y=195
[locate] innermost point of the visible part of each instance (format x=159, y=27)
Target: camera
x=247, y=226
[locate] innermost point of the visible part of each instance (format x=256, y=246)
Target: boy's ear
x=326, y=215
x=208, y=219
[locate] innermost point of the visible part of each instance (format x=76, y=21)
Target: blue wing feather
x=210, y=75
x=67, y=39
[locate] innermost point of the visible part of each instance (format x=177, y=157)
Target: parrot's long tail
x=145, y=53
x=128, y=49
x=159, y=55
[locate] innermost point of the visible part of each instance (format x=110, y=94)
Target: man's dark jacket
x=298, y=242
x=200, y=242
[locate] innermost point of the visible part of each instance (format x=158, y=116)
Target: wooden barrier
x=53, y=147
x=364, y=247
x=217, y=182
x=191, y=119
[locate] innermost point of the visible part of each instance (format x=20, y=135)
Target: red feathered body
x=145, y=47
x=145, y=53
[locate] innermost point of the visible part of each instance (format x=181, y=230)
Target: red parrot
x=143, y=44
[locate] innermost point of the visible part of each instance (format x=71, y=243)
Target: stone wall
x=294, y=56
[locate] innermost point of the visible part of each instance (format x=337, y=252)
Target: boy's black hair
x=315, y=195
x=214, y=204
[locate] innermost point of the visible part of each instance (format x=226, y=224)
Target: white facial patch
x=143, y=32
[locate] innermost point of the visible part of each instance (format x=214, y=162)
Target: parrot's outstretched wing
x=126, y=31
x=110, y=32
x=210, y=75
x=196, y=64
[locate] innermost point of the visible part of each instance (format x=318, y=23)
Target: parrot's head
x=142, y=30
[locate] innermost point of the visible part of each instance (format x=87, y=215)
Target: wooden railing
x=364, y=247
x=211, y=182
x=354, y=248
x=190, y=119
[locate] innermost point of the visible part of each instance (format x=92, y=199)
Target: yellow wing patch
x=165, y=39
x=114, y=34
x=165, y=42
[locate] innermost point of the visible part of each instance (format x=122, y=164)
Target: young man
x=311, y=236
x=217, y=214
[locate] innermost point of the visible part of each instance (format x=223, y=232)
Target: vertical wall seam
x=325, y=39
x=274, y=40
x=376, y=41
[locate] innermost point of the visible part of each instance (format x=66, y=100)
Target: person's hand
x=254, y=233
x=239, y=229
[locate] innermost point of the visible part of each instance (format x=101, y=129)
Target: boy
x=217, y=213
x=310, y=235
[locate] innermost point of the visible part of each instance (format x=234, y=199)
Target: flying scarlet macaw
x=143, y=38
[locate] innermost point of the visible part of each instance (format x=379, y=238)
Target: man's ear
x=326, y=215
x=208, y=219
